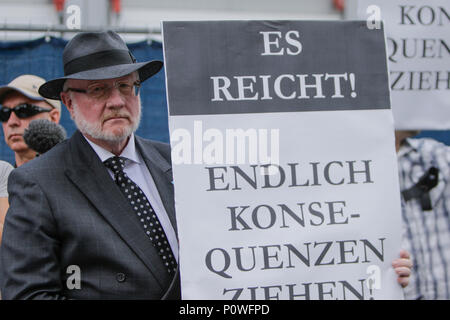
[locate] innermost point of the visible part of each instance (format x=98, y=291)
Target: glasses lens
x=125, y=88
x=4, y=114
x=26, y=110
x=97, y=91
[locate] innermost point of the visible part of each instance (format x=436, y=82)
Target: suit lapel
x=91, y=177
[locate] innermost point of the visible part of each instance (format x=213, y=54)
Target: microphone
x=42, y=135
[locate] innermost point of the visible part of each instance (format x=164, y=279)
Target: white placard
x=418, y=49
x=286, y=187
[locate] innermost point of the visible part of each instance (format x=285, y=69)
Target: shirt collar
x=129, y=152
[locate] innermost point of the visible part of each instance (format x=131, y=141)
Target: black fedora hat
x=97, y=56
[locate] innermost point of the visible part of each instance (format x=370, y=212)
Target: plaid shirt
x=427, y=232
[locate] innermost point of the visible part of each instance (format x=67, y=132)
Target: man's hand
x=402, y=267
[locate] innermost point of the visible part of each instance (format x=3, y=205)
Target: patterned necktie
x=144, y=211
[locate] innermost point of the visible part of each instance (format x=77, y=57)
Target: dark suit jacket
x=66, y=210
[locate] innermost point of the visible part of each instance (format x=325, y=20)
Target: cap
x=28, y=85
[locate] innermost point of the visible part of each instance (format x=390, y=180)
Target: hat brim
x=5, y=89
x=52, y=89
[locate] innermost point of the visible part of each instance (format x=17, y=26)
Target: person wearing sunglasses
x=20, y=103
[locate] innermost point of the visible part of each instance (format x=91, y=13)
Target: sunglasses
x=22, y=111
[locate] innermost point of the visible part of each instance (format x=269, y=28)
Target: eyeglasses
x=22, y=111
x=103, y=91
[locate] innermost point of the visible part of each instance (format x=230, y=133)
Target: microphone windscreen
x=42, y=135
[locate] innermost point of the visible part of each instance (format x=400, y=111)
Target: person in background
x=424, y=173
x=20, y=104
x=5, y=170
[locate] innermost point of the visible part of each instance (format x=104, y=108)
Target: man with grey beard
x=94, y=217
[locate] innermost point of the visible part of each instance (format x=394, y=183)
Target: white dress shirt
x=138, y=172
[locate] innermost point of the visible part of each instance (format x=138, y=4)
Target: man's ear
x=67, y=100
x=55, y=115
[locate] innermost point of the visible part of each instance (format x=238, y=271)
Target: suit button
x=121, y=277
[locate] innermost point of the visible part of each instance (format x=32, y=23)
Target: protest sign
x=418, y=42
x=284, y=166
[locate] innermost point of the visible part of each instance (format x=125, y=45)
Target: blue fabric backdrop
x=45, y=60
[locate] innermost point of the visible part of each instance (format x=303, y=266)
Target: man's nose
x=115, y=98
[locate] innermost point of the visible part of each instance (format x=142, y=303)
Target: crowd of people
x=103, y=199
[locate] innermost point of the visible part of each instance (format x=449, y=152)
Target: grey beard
x=95, y=129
